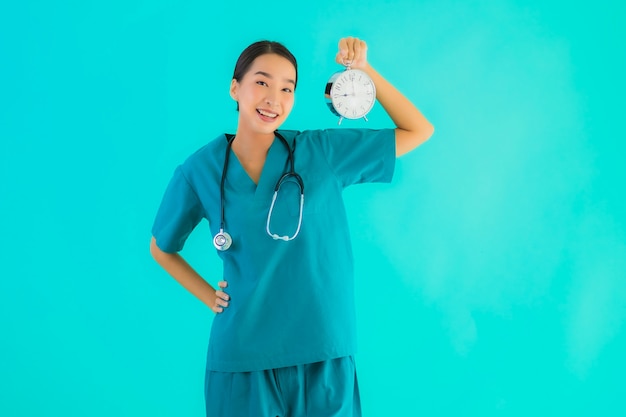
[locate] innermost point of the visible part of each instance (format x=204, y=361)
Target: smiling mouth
x=267, y=113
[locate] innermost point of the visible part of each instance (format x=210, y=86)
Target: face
x=265, y=94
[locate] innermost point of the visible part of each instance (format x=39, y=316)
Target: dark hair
x=257, y=49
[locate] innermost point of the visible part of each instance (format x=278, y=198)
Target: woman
x=283, y=339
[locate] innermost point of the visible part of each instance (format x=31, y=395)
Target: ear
x=234, y=88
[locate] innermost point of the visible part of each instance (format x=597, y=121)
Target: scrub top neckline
x=238, y=178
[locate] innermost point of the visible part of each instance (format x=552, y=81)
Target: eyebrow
x=265, y=74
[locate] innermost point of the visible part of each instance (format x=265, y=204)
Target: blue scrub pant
x=321, y=389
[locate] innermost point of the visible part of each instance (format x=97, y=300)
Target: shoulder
x=341, y=132
x=302, y=137
x=207, y=155
x=302, y=134
x=343, y=137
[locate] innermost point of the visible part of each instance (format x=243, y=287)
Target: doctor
x=283, y=340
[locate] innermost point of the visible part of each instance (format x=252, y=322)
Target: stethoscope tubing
x=222, y=240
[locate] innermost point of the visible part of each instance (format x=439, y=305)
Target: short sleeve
x=360, y=155
x=179, y=213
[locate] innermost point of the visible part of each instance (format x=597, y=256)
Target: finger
x=343, y=47
x=356, y=47
x=342, y=54
x=362, y=51
x=221, y=303
x=346, y=50
x=350, y=46
x=222, y=295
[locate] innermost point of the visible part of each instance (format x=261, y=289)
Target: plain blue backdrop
x=491, y=274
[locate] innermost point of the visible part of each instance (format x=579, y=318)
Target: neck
x=252, y=145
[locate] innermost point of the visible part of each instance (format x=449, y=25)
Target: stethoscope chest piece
x=222, y=240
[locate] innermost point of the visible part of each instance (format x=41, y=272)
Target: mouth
x=267, y=115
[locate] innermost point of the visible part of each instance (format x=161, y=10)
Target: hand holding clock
x=351, y=94
x=352, y=53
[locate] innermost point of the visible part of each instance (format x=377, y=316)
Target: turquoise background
x=490, y=274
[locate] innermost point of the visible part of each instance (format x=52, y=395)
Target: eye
x=287, y=90
x=263, y=83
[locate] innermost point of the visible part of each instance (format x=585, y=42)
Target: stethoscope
x=222, y=240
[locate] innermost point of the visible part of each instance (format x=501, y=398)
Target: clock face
x=352, y=94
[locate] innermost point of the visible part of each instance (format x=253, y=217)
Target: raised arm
x=412, y=128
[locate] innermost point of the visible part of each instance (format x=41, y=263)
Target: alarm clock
x=350, y=94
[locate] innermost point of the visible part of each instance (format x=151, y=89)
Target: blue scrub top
x=291, y=302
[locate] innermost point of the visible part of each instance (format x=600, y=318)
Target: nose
x=270, y=98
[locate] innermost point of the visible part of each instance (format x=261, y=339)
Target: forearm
x=181, y=271
x=412, y=128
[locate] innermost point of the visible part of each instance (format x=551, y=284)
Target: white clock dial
x=352, y=94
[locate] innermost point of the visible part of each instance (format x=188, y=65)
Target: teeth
x=267, y=114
